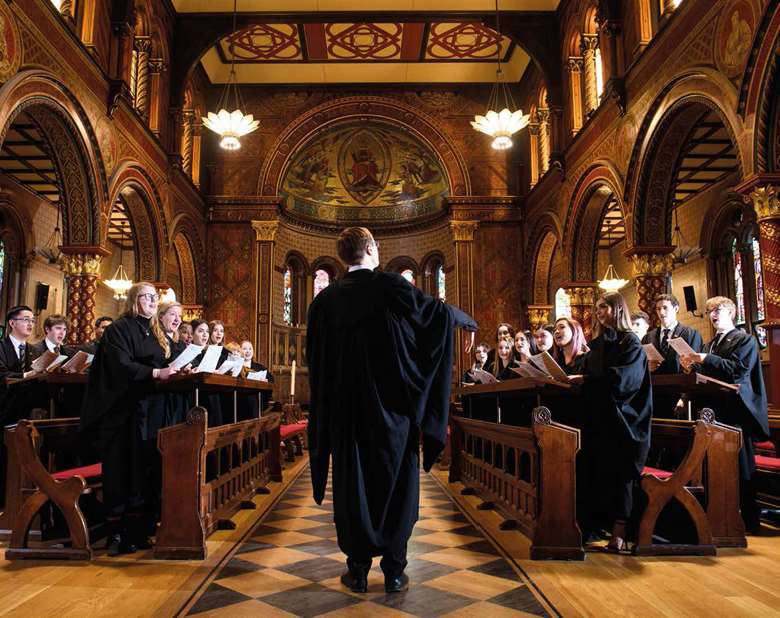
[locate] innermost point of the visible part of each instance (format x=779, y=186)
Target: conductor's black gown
x=380, y=356
x=615, y=428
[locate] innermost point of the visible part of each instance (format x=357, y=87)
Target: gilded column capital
x=765, y=202
x=585, y=296
x=574, y=64
x=539, y=315
x=91, y=264
x=652, y=264
x=463, y=230
x=589, y=43
x=142, y=44
x=72, y=264
x=265, y=230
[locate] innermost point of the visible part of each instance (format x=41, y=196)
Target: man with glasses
x=15, y=360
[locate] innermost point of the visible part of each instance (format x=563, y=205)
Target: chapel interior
x=646, y=148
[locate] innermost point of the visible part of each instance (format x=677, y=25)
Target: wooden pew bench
x=701, y=474
x=210, y=474
x=292, y=431
x=527, y=475
x=33, y=485
x=768, y=469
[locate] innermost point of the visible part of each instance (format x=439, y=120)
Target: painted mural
x=362, y=170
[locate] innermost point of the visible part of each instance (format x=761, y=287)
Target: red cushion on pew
x=285, y=431
x=87, y=472
x=768, y=463
x=767, y=445
x=661, y=474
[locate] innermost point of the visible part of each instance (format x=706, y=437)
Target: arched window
x=739, y=283
x=408, y=274
x=441, y=282
x=562, y=304
x=758, y=275
x=288, y=296
x=321, y=280
x=599, y=74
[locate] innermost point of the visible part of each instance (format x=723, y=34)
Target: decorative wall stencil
x=263, y=42
x=361, y=170
x=457, y=41
x=107, y=143
x=10, y=44
x=364, y=41
x=734, y=38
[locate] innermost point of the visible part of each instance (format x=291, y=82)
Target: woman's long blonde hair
x=158, y=331
x=621, y=314
x=131, y=303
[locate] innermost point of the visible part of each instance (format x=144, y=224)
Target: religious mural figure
x=364, y=163
x=737, y=42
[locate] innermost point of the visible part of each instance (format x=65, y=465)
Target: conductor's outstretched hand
x=470, y=342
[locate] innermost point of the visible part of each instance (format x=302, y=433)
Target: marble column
x=582, y=297
x=82, y=271
x=538, y=316
x=142, y=46
x=265, y=236
x=463, y=237
x=188, y=124
x=544, y=139
x=574, y=67
x=651, y=274
x=589, y=44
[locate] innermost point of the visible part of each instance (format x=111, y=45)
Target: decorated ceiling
x=446, y=51
x=364, y=170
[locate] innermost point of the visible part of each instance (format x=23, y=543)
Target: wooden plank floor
x=739, y=582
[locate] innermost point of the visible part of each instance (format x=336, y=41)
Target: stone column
x=265, y=236
x=188, y=123
x=650, y=273
x=82, y=271
x=588, y=45
x=533, y=137
x=463, y=237
x=156, y=69
x=142, y=46
x=574, y=67
x=582, y=296
x=538, y=316
x=544, y=139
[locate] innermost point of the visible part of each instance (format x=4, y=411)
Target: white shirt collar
x=16, y=343
x=359, y=267
x=669, y=328
x=50, y=345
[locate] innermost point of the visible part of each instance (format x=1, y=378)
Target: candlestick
x=292, y=380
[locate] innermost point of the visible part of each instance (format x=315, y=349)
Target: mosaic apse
x=364, y=170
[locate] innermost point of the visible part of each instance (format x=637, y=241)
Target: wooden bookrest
x=63, y=492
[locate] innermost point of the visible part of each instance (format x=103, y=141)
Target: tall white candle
x=292, y=380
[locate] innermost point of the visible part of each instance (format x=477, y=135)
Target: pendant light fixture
x=231, y=126
x=51, y=250
x=120, y=283
x=611, y=282
x=500, y=125
x=682, y=252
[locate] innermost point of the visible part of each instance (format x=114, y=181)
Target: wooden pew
x=768, y=470
x=293, y=430
x=35, y=484
x=527, y=474
x=208, y=475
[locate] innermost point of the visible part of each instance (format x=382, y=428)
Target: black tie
x=57, y=350
x=665, y=340
x=716, y=343
x=22, y=348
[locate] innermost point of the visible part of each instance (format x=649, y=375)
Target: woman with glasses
x=128, y=362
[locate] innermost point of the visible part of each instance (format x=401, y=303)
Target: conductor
x=380, y=356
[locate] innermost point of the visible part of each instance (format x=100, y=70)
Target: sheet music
x=680, y=346
x=546, y=363
x=77, y=362
x=232, y=365
x=652, y=353
x=482, y=377
x=527, y=370
x=258, y=375
x=210, y=359
x=186, y=357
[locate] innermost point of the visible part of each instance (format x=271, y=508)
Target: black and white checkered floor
x=290, y=566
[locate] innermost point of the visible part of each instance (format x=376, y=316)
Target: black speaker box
x=41, y=297
x=690, y=298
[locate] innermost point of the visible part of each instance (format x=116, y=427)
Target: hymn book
x=681, y=346
x=210, y=359
x=48, y=361
x=482, y=377
x=258, y=375
x=186, y=357
x=78, y=363
x=652, y=353
x=546, y=363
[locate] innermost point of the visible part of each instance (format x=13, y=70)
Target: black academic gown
x=213, y=401
x=736, y=360
x=615, y=428
x=248, y=405
x=575, y=368
x=380, y=356
x=112, y=416
x=505, y=373
x=37, y=349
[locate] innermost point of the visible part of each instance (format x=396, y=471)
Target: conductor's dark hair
x=670, y=297
x=641, y=315
x=352, y=244
x=14, y=312
x=103, y=318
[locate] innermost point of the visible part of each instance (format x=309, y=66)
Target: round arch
x=334, y=267
x=75, y=150
x=183, y=227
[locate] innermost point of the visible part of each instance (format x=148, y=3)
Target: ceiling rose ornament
x=501, y=125
x=231, y=126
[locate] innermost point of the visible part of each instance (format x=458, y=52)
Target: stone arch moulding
x=582, y=221
x=401, y=263
x=189, y=286
x=184, y=226
x=418, y=123
x=544, y=251
x=335, y=266
x=75, y=148
x=705, y=86
x=146, y=214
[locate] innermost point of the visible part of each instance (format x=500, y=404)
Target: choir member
x=201, y=336
x=249, y=407
x=544, y=338
x=616, y=423
x=128, y=361
x=666, y=308
x=217, y=329
x=522, y=350
x=640, y=323
x=185, y=333
x=502, y=330
x=200, y=332
x=15, y=361
x=502, y=365
x=169, y=324
x=480, y=362
x=733, y=357
x=380, y=356
x=570, y=347
x=100, y=326
x=248, y=353
x=55, y=327
x=532, y=347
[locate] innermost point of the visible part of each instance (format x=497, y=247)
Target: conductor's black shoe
x=398, y=583
x=356, y=582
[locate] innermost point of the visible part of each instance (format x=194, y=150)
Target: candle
x=292, y=380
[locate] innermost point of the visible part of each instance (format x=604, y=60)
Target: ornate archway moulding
x=418, y=123
x=485, y=208
x=78, y=153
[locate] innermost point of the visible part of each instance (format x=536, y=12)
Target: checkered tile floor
x=290, y=566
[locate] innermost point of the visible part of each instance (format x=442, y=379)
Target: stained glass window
x=759, y=277
x=599, y=73
x=739, y=284
x=288, y=296
x=441, y=282
x=562, y=304
x=321, y=280
x=408, y=275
